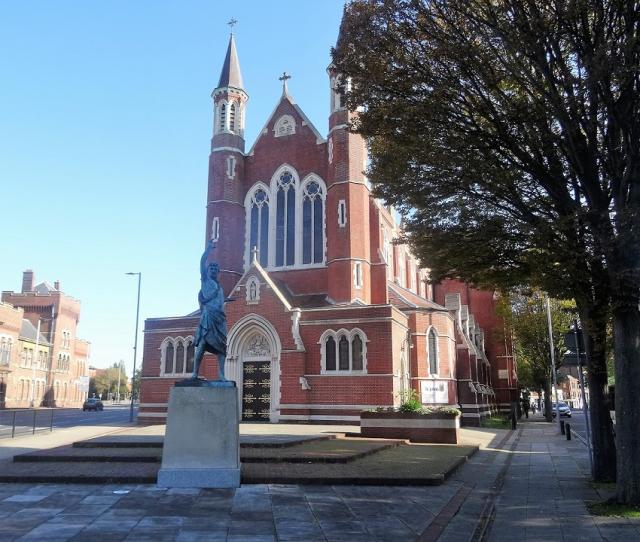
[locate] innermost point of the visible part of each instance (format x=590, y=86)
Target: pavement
x=525, y=485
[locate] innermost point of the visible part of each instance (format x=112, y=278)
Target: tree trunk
x=548, y=399
x=594, y=323
x=626, y=331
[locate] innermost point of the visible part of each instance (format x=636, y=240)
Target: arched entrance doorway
x=253, y=362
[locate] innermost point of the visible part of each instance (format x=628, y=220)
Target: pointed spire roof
x=231, y=75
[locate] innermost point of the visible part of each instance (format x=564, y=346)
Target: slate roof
x=405, y=299
x=44, y=288
x=307, y=301
x=231, y=76
x=28, y=333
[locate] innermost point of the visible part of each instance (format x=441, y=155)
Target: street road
x=577, y=422
x=62, y=417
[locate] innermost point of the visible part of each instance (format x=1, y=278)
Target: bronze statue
x=211, y=335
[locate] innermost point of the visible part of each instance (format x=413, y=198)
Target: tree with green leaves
x=526, y=316
x=135, y=383
x=507, y=131
x=105, y=383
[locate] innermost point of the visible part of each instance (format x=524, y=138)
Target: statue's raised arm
x=203, y=261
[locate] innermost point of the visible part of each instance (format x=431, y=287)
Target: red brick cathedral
x=330, y=315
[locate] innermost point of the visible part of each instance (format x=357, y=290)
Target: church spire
x=231, y=76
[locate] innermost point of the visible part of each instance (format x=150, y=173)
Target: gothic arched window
x=168, y=359
x=312, y=223
x=259, y=225
x=330, y=354
x=343, y=353
x=432, y=346
x=356, y=353
x=285, y=219
x=180, y=358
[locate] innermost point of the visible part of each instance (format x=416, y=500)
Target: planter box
x=435, y=428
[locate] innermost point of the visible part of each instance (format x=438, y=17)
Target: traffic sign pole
x=585, y=408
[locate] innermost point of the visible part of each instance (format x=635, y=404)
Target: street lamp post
x=135, y=343
x=118, y=389
x=32, y=399
x=553, y=362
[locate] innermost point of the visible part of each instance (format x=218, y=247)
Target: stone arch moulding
x=239, y=336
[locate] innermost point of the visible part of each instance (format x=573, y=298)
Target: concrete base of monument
x=202, y=439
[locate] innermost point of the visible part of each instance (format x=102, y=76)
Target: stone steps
x=309, y=451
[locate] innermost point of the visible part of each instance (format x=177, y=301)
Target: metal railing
x=25, y=421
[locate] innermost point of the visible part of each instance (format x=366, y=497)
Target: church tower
x=225, y=211
x=349, y=252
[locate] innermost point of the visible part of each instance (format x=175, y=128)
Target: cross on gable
x=284, y=77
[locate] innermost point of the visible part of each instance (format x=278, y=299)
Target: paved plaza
x=525, y=485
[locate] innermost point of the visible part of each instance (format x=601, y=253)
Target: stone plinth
x=202, y=440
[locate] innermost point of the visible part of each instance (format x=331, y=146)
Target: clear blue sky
x=105, y=126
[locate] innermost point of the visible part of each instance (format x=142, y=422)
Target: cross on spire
x=232, y=22
x=284, y=78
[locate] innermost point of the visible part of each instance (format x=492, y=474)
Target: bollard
x=568, y=431
x=562, y=427
x=13, y=428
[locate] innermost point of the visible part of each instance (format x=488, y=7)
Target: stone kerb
x=434, y=427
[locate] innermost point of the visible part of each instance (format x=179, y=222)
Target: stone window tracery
x=177, y=356
x=343, y=351
x=312, y=223
x=285, y=219
x=259, y=225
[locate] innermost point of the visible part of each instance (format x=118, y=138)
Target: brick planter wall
x=434, y=428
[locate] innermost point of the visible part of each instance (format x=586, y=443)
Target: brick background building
x=330, y=316
x=46, y=375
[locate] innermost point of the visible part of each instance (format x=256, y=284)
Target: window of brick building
x=342, y=213
x=169, y=358
x=432, y=351
x=259, y=224
x=285, y=220
x=312, y=223
x=343, y=351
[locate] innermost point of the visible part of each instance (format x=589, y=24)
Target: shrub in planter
x=438, y=425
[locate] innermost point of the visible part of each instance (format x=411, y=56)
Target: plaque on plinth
x=202, y=439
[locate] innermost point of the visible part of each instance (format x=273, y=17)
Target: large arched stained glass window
x=168, y=359
x=312, y=222
x=259, y=236
x=433, y=351
x=285, y=220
